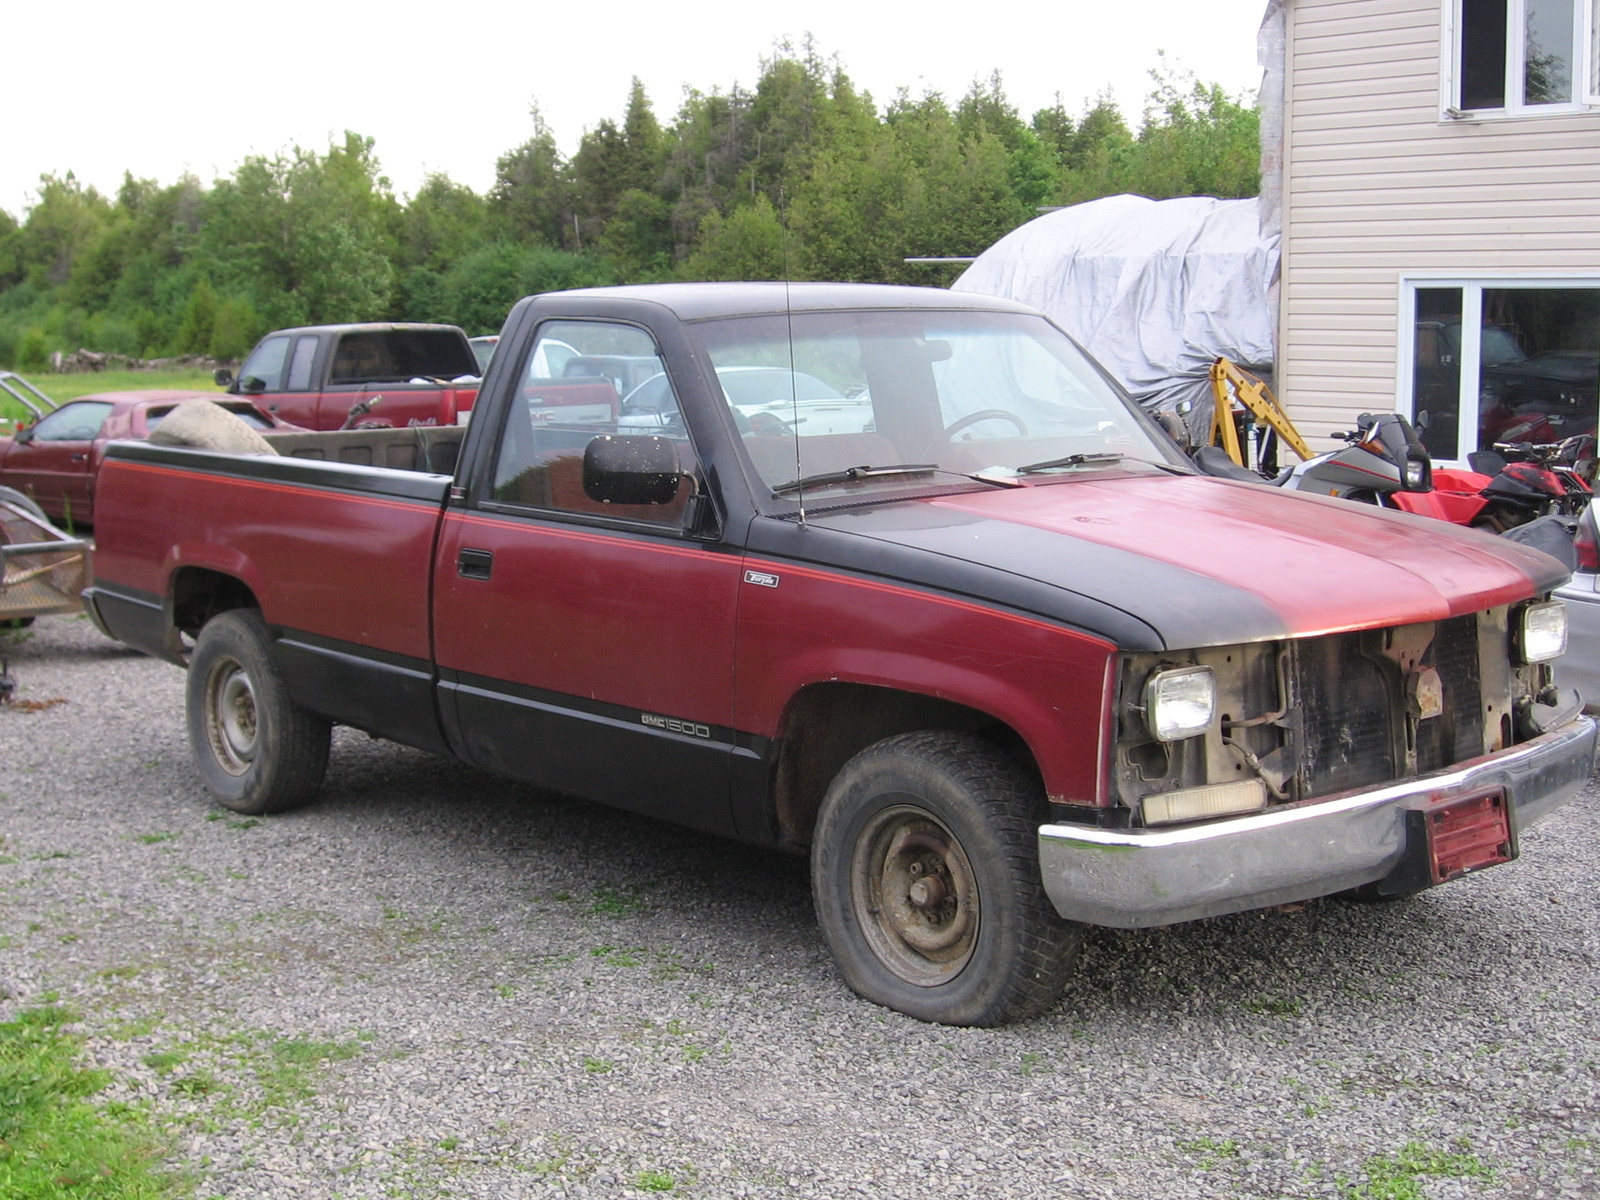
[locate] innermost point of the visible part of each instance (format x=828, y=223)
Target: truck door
x=584, y=646
x=279, y=377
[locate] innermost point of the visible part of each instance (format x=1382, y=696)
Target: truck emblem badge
x=761, y=578
x=673, y=725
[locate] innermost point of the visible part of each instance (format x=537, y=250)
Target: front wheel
x=925, y=872
x=256, y=749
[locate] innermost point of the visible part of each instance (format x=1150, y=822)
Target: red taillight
x=1587, y=545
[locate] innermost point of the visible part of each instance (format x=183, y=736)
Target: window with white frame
x=1525, y=56
x=1500, y=360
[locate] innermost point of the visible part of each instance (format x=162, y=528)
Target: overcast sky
x=170, y=86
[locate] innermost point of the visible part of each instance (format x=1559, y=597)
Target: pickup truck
x=998, y=659
x=403, y=374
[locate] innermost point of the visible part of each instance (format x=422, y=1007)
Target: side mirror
x=251, y=386
x=23, y=436
x=631, y=470
x=223, y=376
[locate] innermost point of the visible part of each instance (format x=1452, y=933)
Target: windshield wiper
x=1104, y=458
x=851, y=474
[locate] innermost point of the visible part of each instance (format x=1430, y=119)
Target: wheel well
x=199, y=594
x=828, y=724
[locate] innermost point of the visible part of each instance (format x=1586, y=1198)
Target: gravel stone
x=438, y=983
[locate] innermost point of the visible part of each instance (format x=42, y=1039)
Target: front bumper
x=1135, y=878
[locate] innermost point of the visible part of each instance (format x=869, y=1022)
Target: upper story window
x=1526, y=56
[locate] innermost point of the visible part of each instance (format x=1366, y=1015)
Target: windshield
x=1000, y=396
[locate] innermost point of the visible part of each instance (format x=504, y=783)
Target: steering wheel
x=983, y=414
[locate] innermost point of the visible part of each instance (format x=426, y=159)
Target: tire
x=256, y=749
x=925, y=875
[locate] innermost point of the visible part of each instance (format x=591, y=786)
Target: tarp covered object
x=1155, y=289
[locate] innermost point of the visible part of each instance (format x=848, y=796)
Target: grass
x=1399, y=1176
x=55, y=1141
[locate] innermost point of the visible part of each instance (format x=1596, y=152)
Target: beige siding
x=1378, y=187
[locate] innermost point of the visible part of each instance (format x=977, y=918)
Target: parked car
x=56, y=460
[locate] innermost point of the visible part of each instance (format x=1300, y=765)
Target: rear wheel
x=925, y=871
x=256, y=749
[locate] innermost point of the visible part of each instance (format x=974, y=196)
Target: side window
x=585, y=380
x=361, y=357
x=73, y=422
x=266, y=364
x=305, y=350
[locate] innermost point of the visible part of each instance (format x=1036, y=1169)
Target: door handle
x=475, y=564
x=79, y=458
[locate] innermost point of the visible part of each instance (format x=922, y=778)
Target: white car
x=766, y=401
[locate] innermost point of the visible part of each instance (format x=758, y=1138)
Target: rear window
x=399, y=356
x=247, y=413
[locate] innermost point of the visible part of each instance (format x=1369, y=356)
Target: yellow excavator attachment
x=1235, y=390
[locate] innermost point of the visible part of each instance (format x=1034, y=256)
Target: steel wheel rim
x=915, y=895
x=232, y=723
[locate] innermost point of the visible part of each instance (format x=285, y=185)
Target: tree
x=749, y=243
x=531, y=199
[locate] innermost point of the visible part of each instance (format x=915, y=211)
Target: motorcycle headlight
x=1541, y=632
x=1180, y=703
x=1415, y=475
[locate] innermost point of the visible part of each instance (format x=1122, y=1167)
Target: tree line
x=802, y=176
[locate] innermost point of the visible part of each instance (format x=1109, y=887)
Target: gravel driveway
x=437, y=983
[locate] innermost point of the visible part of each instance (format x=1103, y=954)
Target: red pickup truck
x=981, y=642
x=400, y=374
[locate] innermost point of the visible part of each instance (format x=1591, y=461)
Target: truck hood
x=1207, y=562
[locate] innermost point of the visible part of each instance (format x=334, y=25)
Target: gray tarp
x=1155, y=289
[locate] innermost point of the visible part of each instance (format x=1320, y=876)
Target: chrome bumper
x=1134, y=878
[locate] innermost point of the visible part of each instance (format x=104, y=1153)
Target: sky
x=170, y=86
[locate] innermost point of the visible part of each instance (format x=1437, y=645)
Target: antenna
x=794, y=389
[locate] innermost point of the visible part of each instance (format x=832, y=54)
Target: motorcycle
x=1385, y=463
x=1383, y=459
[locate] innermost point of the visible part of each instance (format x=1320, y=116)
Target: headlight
x=1541, y=632
x=1416, y=475
x=1180, y=704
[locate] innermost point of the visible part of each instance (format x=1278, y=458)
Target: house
x=1435, y=166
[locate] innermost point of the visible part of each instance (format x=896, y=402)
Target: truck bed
x=336, y=553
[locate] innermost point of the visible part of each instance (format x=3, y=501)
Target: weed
x=1399, y=1176
x=1274, y=1006
x=449, y=1143
x=1209, y=1151
x=285, y=1077
x=598, y=1066
x=613, y=956
x=47, y=855
x=218, y=814
x=505, y=991
x=693, y=1053
x=151, y=839
x=617, y=901
x=654, y=1181
x=117, y=973
x=1033, y=1064
x=201, y=1083
x=164, y=1061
